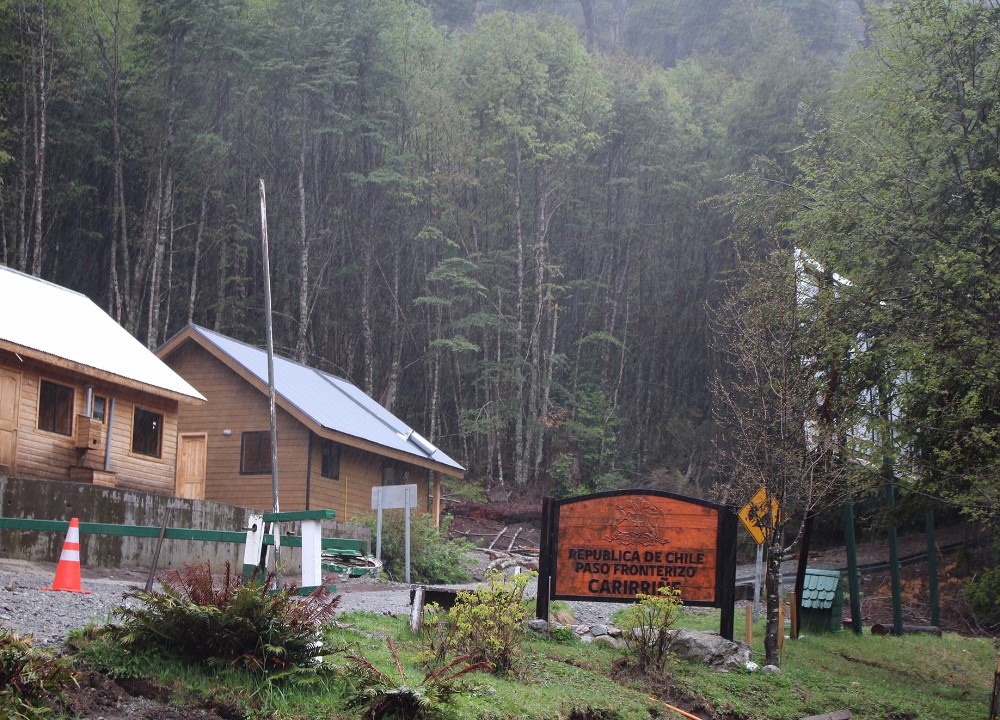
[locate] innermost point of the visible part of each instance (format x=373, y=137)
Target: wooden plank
x=835, y=715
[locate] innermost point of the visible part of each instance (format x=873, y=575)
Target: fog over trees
x=502, y=219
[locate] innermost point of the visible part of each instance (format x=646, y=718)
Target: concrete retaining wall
x=54, y=500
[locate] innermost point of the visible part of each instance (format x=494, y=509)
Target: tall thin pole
x=270, y=381
x=852, y=567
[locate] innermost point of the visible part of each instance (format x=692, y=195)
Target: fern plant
x=31, y=679
x=377, y=695
x=244, y=624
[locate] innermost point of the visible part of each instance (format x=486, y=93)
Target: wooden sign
x=610, y=547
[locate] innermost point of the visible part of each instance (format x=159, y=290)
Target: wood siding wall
x=50, y=456
x=234, y=405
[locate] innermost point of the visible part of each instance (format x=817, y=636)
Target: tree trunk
x=391, y=384
x=368, y=262
x=42, y=71
x=772, y=584
x=196, y=259
x=300, y=340
x=520, y=463
x=27, y=91
x=589, y=23
x=111, y=56
x=162, y=233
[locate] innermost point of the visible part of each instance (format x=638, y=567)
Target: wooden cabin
x=335, y=443
x=81, y=400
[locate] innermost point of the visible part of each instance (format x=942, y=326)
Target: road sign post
x=759, y=516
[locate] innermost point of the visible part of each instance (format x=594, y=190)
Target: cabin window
x=100, y=408
x=147, y=432
x=330, y=454
x=255, y=456
x=55, y=408
x=393, y=474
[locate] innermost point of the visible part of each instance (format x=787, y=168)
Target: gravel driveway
x=49, y=616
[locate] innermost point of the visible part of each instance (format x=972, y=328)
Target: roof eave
x=104, y=375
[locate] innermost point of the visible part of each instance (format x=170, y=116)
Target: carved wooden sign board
x=609, y=547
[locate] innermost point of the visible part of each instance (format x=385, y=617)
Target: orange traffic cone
x=68, y=570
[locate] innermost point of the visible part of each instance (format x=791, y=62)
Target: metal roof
x=53, y=320
x=329, y=401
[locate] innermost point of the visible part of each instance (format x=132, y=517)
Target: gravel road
x=49, y=616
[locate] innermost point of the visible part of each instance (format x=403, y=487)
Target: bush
x=983, y=594
x=243, y=624
x=31, y=679
x=646, y=627
x=487, y=623
x=433, y=558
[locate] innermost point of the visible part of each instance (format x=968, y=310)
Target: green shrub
x=646, y=627
x=31, y=679
x=433, y=558
x=983, y=594
x=378, y=695
x=243, y=624
x=487, y=623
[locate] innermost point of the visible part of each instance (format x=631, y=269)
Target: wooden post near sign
x=393, y=497
x=612, y=546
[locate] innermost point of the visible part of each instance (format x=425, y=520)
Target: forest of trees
x=511, y=222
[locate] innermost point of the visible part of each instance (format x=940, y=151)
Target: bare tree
x=780, y=402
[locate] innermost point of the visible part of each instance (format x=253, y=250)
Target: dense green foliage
x=493, y=224
x=243, y=623
x=32, y=680
x=434, y=558
x=895, y=190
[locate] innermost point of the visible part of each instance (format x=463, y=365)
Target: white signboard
x=394, y=497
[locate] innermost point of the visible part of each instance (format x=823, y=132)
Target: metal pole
x=378, y=527
x=932, y=573
x=406, y=501
x=270, y=380
x=897, y=591
x=853, y=584
x=758, y=566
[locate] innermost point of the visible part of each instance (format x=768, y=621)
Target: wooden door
x=192, y=456
x=10, y=393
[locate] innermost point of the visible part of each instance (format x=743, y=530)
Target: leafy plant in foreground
x=381, y=696
x=30, y=678
x=646, y=627
x=243, y=624
x=488, y=621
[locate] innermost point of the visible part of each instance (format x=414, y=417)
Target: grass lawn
x=881, y=678
x=918, y=677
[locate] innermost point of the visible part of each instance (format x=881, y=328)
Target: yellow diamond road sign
x=759, y=515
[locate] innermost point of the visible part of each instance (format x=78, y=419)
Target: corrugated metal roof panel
x=54, y=320
x=329, y=401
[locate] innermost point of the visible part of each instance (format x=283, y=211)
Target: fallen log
x=880, y=629
x=835, y=715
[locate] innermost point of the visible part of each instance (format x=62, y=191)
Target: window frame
x=329, y=454
x=136, y=409
x=102, y=415
x=70, y=411
x=264, y=444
